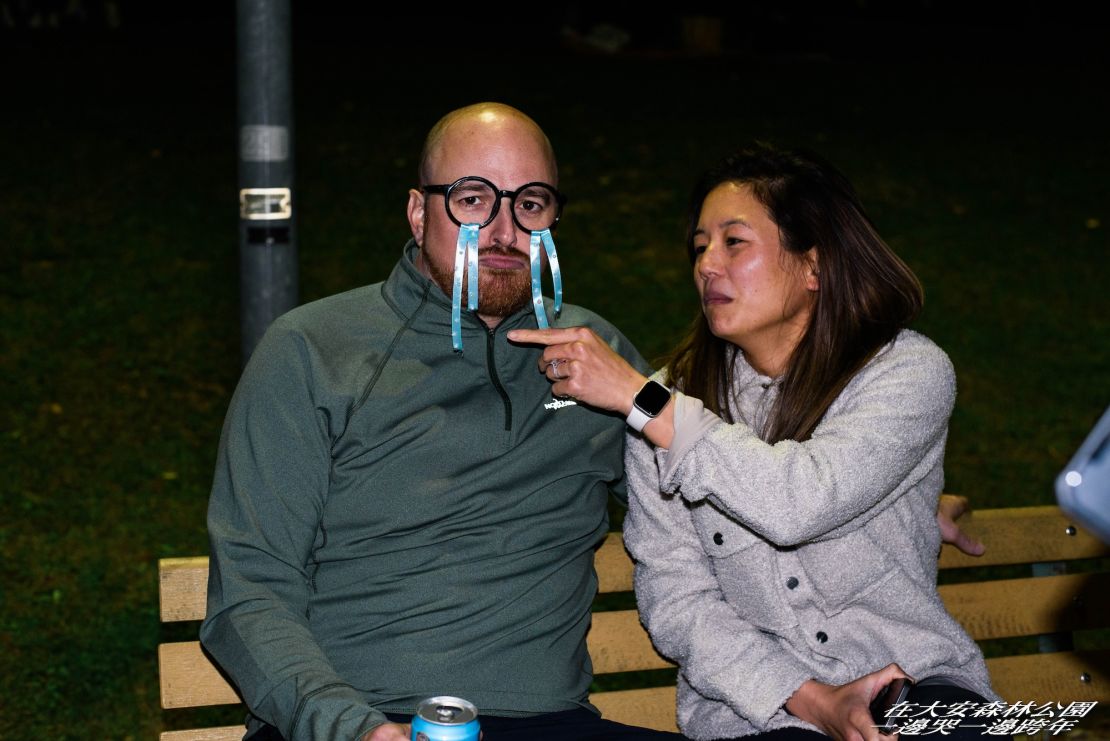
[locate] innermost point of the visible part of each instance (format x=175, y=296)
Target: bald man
x=393, y=519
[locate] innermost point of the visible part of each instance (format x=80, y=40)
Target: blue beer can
x=445, y=719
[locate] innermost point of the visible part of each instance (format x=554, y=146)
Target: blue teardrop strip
x=466, y=254
x=544, y=237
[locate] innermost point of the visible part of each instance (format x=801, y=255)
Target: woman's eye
x=700, y=248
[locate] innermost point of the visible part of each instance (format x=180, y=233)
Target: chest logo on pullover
x=560, y=403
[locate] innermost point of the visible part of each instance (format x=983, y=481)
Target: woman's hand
x=843, y=711
x=949, y=509
x=582, y=366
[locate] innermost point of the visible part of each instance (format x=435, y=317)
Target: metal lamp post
x=267, y=240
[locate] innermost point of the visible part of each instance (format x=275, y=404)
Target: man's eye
x=468, y=200
x=533, y=200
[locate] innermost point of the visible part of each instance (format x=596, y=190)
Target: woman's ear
x=813, y=270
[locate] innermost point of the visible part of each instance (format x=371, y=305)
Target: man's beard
x=500, y=292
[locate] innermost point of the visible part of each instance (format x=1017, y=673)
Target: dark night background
x=975, y=133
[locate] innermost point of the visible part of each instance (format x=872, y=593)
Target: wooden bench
x=1050, y=604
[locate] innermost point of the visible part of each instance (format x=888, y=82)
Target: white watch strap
x=636, y=419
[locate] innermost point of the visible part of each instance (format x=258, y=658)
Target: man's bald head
x=480, y=120
x=501, y=145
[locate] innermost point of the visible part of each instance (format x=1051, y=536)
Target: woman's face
x=754, y=293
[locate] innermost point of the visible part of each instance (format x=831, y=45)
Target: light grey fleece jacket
x=761, y=566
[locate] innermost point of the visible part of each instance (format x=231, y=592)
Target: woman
x=782, y=501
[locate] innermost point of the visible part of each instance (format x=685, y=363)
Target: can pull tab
x=446, y=713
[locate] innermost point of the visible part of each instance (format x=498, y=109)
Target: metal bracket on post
x=265, y=204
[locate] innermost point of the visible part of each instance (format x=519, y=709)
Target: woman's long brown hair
x=865, y=295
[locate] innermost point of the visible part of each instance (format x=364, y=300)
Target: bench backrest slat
x=1017, y=535
x=1028, y=607
x=1052, y=677
x=182, y=588
x=187, y=679
x=618, y=643
x=613, y=567
x=223, y=733
x=651, y=707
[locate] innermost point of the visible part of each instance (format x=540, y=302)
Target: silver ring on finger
x=554, y=365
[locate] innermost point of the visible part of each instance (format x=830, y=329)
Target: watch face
x=652, y=398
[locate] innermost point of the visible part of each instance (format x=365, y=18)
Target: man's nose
x=502, y=229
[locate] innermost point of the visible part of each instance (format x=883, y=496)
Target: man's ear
x=813, y=270
x=416, y=215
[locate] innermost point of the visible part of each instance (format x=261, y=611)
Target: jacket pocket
x=846, y=569
x=745, y=567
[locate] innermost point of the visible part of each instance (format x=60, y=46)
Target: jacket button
x=821, y=637
x=792, y=582
x=718, y=539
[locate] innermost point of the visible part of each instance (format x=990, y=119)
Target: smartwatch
x=649, y=402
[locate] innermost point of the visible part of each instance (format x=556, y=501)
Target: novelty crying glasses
x=472, y=203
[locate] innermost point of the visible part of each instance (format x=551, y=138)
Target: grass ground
x=118, y=286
